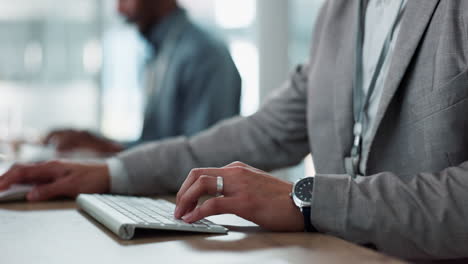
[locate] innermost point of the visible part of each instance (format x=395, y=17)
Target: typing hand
x=72, y=140
x=248, y=192
x=58, y=179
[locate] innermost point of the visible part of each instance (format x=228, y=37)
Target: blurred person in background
x=191, y=81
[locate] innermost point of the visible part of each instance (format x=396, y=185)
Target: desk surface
x=55, y=232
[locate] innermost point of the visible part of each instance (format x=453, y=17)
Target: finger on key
x=214, y=206
x=204, y=185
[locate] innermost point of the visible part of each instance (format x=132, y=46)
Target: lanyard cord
x=360, y=98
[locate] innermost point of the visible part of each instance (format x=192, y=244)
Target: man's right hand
x=72, y=140
x=58, y=179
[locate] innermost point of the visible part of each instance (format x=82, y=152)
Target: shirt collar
x=159, y=31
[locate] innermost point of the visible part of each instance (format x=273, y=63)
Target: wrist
x=297, y=219
x=301, y=194
x=106, y=178
x=113, y=147
x=102, y=176
x=108, y=147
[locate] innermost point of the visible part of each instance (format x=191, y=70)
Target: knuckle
x=236, y=164
x=195, y=172
x=204, y=180
x=242, y=170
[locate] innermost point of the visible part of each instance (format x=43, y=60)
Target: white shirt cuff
x=119, y=180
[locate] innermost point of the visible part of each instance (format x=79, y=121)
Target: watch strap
x=308, y=227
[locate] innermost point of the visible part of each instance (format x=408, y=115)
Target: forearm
x=423, y=216
x=161, y=167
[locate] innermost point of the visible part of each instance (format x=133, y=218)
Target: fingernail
x=187, y=217
x=33, y=195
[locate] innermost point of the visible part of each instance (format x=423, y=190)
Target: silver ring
x=219, y=186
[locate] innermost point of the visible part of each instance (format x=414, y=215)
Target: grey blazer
x=413, y=201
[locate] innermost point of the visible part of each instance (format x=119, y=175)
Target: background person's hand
x=72, y=140
x=55, y=179
x=248, y=192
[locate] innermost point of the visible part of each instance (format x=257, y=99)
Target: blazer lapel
x=415, y=21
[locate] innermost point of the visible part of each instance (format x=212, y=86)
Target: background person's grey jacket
x=199, y=86
x=414, y=200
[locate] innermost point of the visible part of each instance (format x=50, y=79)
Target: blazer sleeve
x=413, y=216
x=274, y=137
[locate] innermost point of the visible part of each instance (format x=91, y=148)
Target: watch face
x=303, y=189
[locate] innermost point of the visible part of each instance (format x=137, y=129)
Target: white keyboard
x=122, y=214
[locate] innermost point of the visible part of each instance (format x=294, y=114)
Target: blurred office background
x=66, y=63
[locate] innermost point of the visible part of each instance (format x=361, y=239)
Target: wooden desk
x=55, y=232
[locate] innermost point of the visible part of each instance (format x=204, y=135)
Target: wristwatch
x=302, y=197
